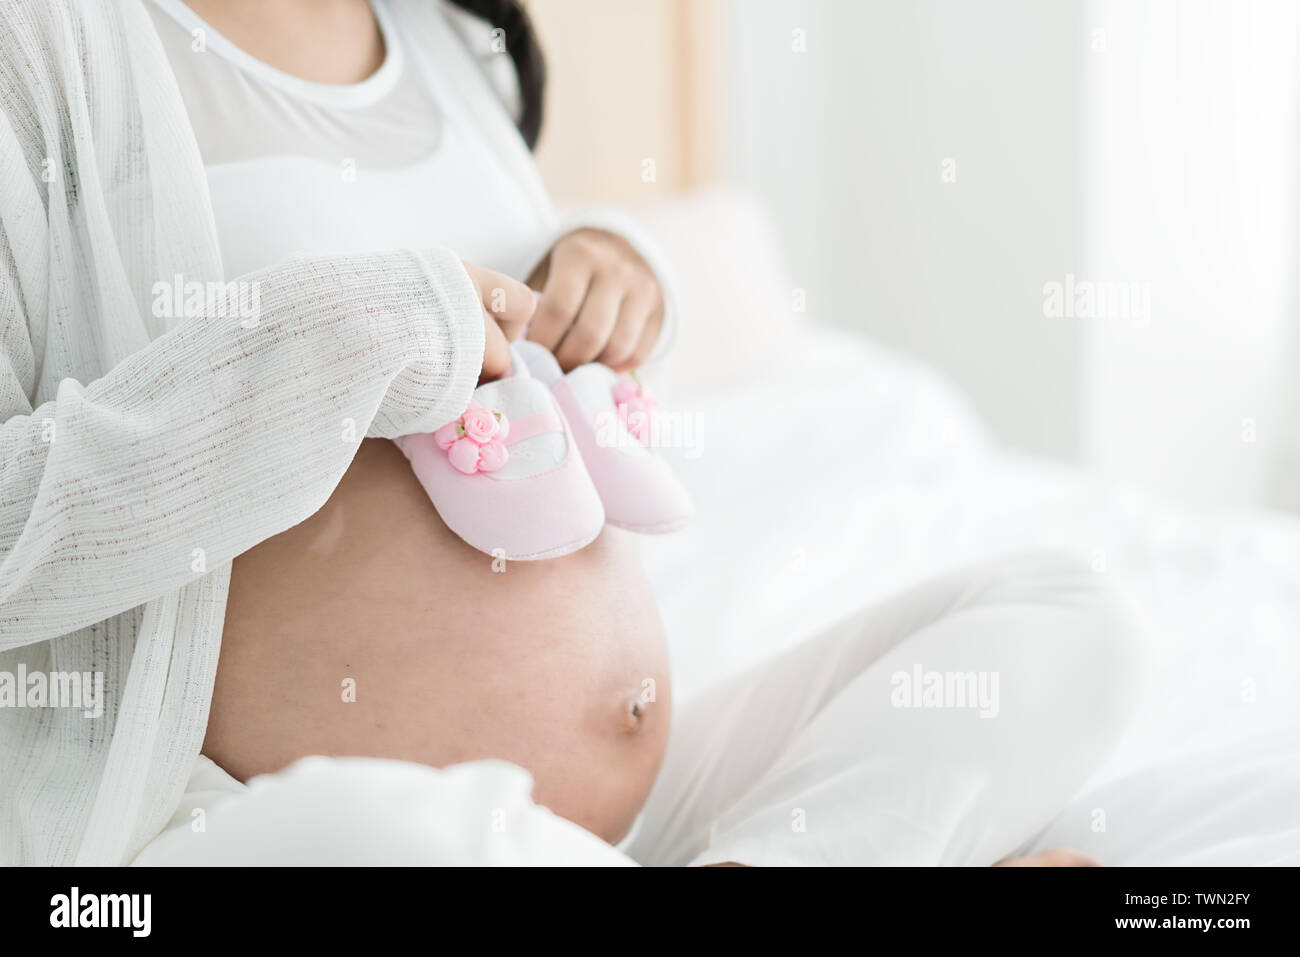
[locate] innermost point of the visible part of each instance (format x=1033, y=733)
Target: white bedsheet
x=890, y=477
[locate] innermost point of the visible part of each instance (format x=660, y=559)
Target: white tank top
x=296, y=167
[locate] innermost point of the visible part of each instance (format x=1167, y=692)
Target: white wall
x=1146, y=146
x=1191, y=166
x=847, y=143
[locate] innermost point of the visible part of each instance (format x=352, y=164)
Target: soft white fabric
x=829, y=754
x=475, y=813
x=1220, y=805
x=806, y=759
x=140, y=452
x=371, y=812
x=241, y=108
x=298, y=168
x=487, y=44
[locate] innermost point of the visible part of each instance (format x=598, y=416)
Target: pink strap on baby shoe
x=542, y=423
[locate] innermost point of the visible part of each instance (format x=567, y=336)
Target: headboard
x=633, y=104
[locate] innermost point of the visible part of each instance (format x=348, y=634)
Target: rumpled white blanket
x=372, y=812
x=897, y=478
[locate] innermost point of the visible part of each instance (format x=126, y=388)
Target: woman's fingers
x=649, y=336
x=589, y=334
x=496, y=350
x=600, y=300
x=508, y=301
x=507, y=306
x=633, y=316
x=593, y=305
x=566, y=288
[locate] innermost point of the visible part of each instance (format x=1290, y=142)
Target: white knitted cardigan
x=140, y=455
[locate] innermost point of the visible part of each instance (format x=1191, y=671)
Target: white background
x=1119, y=140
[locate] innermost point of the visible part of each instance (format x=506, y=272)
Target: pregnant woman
x=200, y=498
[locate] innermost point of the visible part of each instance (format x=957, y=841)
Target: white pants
x=947, y=725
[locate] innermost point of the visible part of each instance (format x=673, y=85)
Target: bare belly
x=370, y=629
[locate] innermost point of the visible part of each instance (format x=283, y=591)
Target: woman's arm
x=216, y=436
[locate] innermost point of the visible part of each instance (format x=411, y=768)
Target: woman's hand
x=507, y=305
x=600, y=301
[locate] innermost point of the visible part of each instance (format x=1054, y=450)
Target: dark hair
x=521, y=44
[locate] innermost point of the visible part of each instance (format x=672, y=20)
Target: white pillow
x=736, y=310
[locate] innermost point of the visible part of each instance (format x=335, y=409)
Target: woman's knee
x=1095, y=614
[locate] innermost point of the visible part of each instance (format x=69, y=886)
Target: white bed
x=909, y=482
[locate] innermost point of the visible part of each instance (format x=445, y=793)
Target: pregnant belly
x=370, y=629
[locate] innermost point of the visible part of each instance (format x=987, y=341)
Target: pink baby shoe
x=508, y=476
x=611, y=419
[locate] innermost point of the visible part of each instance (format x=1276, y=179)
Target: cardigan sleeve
x=219, y=434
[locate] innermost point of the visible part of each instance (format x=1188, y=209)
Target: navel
x=633, y=714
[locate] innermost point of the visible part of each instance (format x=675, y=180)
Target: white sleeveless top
x=296, y=167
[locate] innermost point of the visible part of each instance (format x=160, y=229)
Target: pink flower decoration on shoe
x=480, y=424
x=464, y=456
x=636, y=406
x=625, y=387
x=492, y=456
x=473, y=442
x=448, y=435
